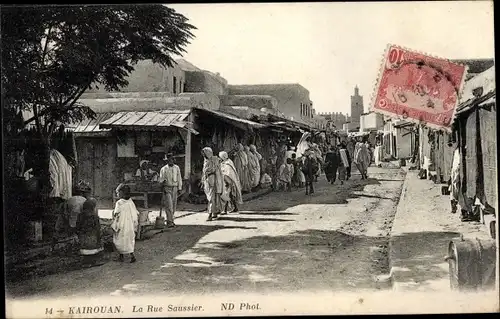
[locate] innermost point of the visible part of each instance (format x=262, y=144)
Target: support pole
x=187, y=157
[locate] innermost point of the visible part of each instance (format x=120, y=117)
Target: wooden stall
x=111, y=147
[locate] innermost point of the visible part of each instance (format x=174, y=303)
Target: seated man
x=144, y=173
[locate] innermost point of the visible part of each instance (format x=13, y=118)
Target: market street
x=335, y=239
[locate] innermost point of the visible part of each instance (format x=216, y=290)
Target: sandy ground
x=421, y=234
x=335, y=239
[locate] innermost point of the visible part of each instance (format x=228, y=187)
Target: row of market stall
x=111, y=146
x=473, y=139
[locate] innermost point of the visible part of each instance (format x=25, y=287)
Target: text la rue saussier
x=76, y=310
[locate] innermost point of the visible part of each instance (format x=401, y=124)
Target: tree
x=52, y=54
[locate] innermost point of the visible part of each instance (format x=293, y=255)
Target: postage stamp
x=418, y=88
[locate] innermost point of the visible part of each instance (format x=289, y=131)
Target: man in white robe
x=171, y=178
x=231, y=193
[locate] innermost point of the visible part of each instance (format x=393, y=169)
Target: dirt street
x=335, y=239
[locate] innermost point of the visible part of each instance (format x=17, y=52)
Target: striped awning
x=150, y=120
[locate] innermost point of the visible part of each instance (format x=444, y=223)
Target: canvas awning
x=149, y=121
x=232, y=119
x=284, y=123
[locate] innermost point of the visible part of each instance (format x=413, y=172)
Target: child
x=125, y=223
x=266, y=180
x=88, y=228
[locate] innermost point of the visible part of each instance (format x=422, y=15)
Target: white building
x=371, y=122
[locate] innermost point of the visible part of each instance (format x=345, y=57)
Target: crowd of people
x=225, y=177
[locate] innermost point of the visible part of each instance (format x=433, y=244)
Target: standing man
x=332, y=164
x=213, y=182
x=350, y=153
x=362, y=158
x=295, y=177
x=171, y=180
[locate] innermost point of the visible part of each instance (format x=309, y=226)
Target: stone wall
x=209, y=101
x=288, y=96
x=253, y=101
x=181, y=102
x=204, y=81
x=151, y=77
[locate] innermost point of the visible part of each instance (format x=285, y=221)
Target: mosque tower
x=356, y=107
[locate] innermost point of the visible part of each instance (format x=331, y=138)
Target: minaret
x=356, y=107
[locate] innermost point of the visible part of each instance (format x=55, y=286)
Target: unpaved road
x=335, y=239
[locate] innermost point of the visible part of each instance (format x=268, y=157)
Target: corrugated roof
x=88, y=125
x=153, y=120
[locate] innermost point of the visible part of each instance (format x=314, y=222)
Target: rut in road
x=376, y=221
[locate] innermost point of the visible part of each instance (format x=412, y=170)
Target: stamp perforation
x=409, y=119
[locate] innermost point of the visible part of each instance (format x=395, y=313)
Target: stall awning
x=491, y=100
x=478, y=91
x=403, y=124
x=484, y=100
x=149, y=121
x=232, y=119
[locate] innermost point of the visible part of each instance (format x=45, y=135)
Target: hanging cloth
x=214, y=137
x=60, y=176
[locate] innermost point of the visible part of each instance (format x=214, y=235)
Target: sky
x=330, y=47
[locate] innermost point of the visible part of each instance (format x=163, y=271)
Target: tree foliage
x=52, y=54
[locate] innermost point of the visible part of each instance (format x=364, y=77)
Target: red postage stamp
x=418, y=87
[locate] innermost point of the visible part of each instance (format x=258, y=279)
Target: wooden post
x=187, y=157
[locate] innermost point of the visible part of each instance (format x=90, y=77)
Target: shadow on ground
x=310, y=259
x=324, y=194
x=67, y=272
x=267, y=213
x=423, y=254
x=242, y=219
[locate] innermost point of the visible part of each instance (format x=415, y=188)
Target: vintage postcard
x=249, y=159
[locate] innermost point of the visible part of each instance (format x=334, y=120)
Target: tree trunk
x=44, y=177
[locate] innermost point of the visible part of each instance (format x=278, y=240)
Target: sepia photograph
x=249, y=159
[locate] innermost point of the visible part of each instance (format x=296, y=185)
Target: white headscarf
x=208, y=151
x=223, y=155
